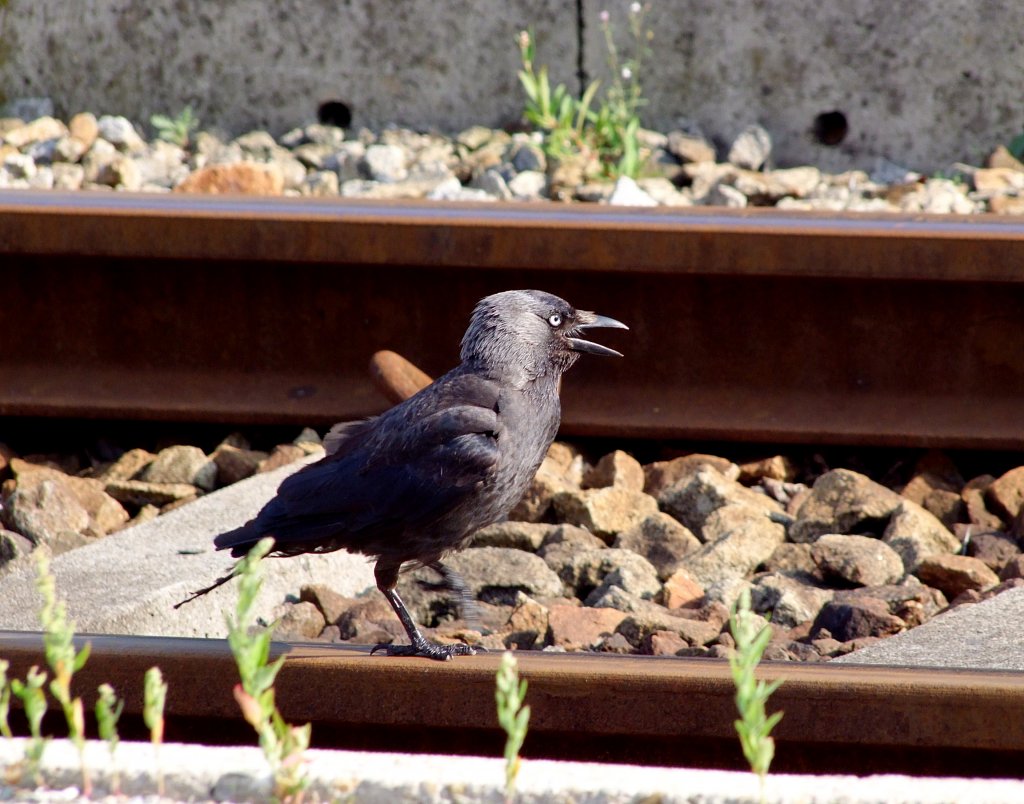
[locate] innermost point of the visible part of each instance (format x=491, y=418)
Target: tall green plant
x=607, y=130
x=283, y=745
x=513, y=717
x=752, y=633
x=64, y=660
x=32, y=694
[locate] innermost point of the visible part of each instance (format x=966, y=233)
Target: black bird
x=415, y=483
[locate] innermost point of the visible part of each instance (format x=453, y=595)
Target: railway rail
x=752, y=326
x=749, y=325
x=619, y=709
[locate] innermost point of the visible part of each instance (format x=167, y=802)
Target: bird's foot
x=429, y=650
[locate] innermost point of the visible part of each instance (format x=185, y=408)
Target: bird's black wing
x=402, y=470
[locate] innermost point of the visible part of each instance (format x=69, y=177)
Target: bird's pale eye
x=555, y=320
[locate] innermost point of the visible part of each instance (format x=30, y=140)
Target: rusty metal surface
x=752, y=325
x=656, y=711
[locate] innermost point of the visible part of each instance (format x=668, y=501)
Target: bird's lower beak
x=586, y=321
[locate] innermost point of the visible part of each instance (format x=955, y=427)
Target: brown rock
x=234, y=464
x=791, y=558
x=6, y=454
x=661, y=475
x=619, y=469
x=857, y=559
x=527, y=536
x=330, y=603
x=128, y=466
x=973, y=494
x=241, y=178
x=182, y=463
x=935, y=494
x=855, y=617
x=42, y=511
x=370, y=620
x=693, y=501
x=105, y=513
x=953, y=574
x=281, y=455
x=777, y=467
x=604, y=512
x=1006, y=494
x=681, y=590
x=739, y=539
x=998, y=180
x=300, y=621
x=527, y=625
x=664, y=643
x=995, y=550
x=915, y=534
x=139, y=492
x=661, y=540
x=576, y=628
x=1002, y=158
x=1013, y=569
x=13, y=546
x=84, y=128
x=43, y=128
x=843, y=501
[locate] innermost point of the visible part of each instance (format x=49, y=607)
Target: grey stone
x=605, y=512
x=849, y=618
x=386, y=163
x=493, y=183
x=661, y=540
x=43, y=510
x=631, y=573
x=788, y=600
x=182, y=464
x=586, y=570
x=857, y=559
x=752, y=148
x=915, y=534
x=738, y=540
x=844, y=501
x=694, y=498
x=120, y=133
x=519, y=535
x=496, y=574
x=528, y=157
x=529, y=185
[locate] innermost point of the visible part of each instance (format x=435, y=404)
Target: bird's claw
x=428, y=650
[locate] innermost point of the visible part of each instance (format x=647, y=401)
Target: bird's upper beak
x=586, y=320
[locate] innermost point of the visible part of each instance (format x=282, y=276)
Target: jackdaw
x=416, y=482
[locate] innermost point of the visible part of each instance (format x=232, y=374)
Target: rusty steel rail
x=647, y=710
x=751, y=325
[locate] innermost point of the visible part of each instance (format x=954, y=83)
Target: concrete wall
x=921, y=83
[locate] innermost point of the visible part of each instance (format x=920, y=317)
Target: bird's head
x=525, y=334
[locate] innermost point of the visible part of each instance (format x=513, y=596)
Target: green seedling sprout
x=108, y=711
x=513, y=717
x=283, y=745
x=63, y=659
x=752, y=633
x=154, y=697
x=33, y=699
x=5, y=700
x=176, y=130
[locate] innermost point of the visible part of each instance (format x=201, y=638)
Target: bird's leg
x=387, y=577
x=453, y=582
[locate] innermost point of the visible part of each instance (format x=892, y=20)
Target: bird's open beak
x=584, y=321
